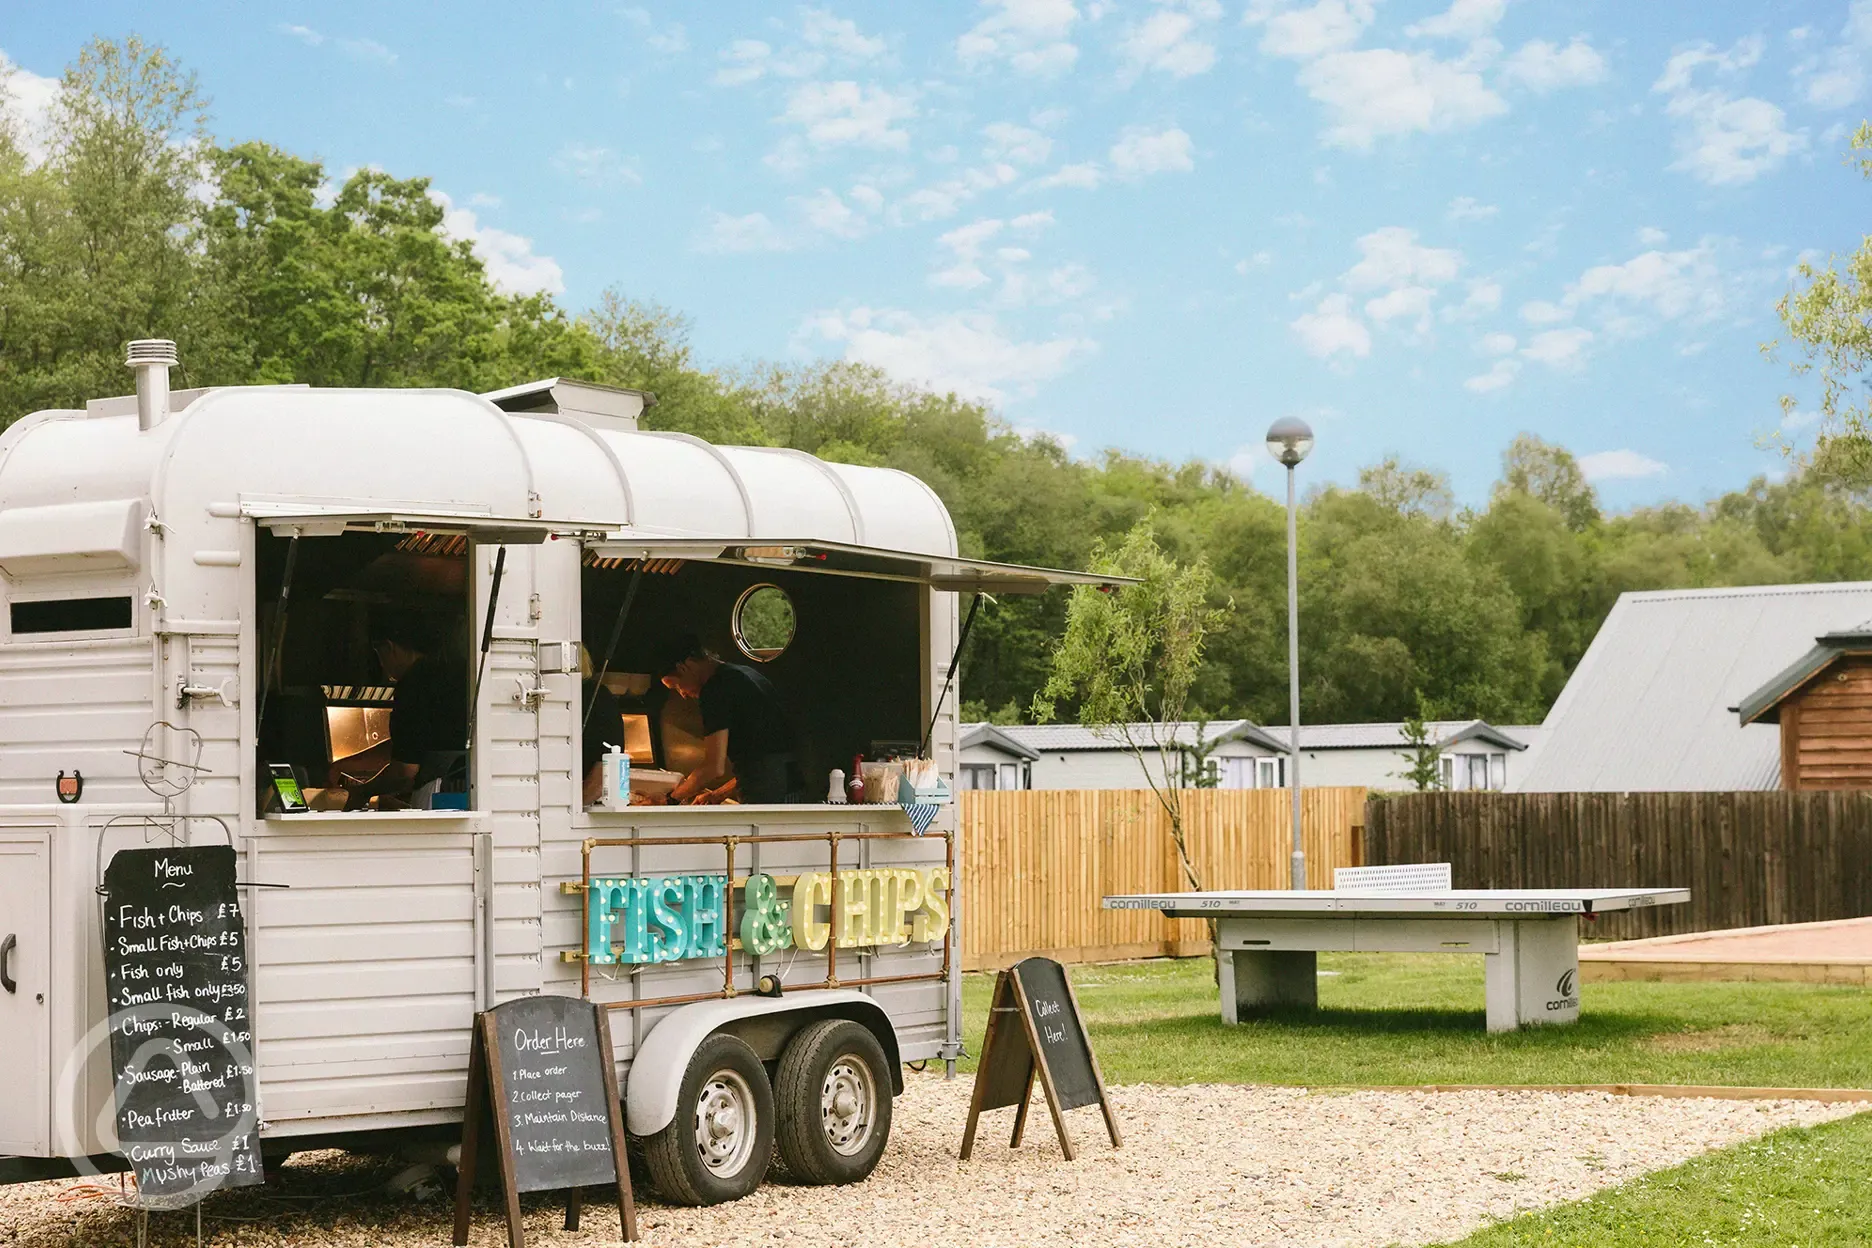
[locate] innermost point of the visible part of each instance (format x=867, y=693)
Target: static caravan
x=189, y=582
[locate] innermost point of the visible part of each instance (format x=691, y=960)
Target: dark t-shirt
x=430, y=711
x=746, y=703
x=604, y=726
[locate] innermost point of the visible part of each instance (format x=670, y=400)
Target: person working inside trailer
x=428, y=717
x=747, y=733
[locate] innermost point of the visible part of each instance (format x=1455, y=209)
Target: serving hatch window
x=71, y=615
x=365, y=667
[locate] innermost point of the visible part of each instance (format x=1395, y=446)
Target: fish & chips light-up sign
x=673, y=917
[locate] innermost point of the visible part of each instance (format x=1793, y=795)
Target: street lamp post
x=1288, y=440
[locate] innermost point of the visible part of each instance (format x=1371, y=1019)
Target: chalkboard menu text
x=181, y=1037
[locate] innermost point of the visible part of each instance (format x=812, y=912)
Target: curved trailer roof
x=322, y=460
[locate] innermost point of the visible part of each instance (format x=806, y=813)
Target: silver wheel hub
x=847, y=1105
x=724, y=1123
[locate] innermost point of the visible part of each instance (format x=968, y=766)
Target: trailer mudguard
x=656, y=1070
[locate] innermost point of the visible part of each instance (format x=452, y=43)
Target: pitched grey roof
x=1066, y=737
x=1765, y=703
x=992, y=735
x=1649, y=707
x=1445, y=732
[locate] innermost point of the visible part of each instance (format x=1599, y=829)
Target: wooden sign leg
x=503, y=1133
x=983, y=1065
x=627, y=1202
x=472, y=1113
x=572, y=1210
x=1020, y=1113
x=1098, y=1076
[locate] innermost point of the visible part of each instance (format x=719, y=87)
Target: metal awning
x=944, y=572
x=301, y=520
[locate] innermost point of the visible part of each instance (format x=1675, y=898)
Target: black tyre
x=834, y=1095
x=720, y=1143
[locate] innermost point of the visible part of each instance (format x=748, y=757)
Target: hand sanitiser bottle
x=615, y=791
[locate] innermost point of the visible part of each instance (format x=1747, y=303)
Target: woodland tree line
x=129, y=220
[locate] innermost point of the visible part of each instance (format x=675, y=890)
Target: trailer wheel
x=834, y=1095
x=720, y=1143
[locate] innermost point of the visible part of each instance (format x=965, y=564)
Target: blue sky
x=1156, y=224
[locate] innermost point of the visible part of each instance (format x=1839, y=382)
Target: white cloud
x=1464, y=19
x=1559, y=348
x=1170, y=40
x=1672, y=284
x=839, y=113
x=1378, y=92
x=1312, y=30
x=356, y=49
x=1500, y=375
x=1042, y=220
x=1465, y=208
x=968, y=353
x=743, y=61
x=1391, y=257
x=1484, y=298
x=26, y=101
x=1723, y=140
x=840, y=36
x=1405, y=301
x=1029, y=36
x=1497, y=343
x=1140, y=152
x=1080, y=177
x=1651, y=236
x=824, y=212
x=591, y=162
x=1541, y=312
x=1332, y=328
x=931, y=203
x=512, y=266
x=1017, y=144
x=868, y=197
x=670, y=41
x=1836, y=78
x=965, y=244
x=1620, y=465
x=1248, y=264
x=1542, y=67
x=753, y=232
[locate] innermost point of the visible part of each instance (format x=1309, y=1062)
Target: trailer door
x=25, y=1018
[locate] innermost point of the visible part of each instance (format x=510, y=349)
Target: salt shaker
x=835, y=790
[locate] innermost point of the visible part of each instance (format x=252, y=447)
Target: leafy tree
x=1425, y=771
x=1549, y=473
x=1128, y=660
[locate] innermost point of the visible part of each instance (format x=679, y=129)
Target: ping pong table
x=1529, y=938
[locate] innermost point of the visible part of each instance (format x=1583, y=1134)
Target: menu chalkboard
x=1050, y=1042
x=541, y=1072
x=175, y=970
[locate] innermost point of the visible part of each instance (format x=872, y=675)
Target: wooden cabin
x=1823, y=703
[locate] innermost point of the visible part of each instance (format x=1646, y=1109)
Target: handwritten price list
x=181, y=1037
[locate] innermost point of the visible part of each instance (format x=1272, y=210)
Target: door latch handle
x=6, y=963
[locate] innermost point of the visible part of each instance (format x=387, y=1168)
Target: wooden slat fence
x=1035, y=865
x=1749, y=859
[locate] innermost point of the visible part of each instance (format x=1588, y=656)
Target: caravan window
x=72, y=615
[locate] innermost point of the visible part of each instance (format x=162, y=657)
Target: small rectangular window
x=71, y=615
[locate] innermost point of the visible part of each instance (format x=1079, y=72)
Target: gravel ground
x=1200, y=1165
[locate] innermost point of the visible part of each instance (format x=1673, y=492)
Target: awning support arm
x=617, y=632
x=487, y=640
x=279, y=630
x=967, y=623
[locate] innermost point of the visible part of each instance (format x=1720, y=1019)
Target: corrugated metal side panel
x=364, y=995
x=510, y=792
x=69, y=707
x=1648, y=707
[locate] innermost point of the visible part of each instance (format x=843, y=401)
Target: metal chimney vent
x=151, y=358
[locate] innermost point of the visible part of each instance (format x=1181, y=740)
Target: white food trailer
x=195, y=570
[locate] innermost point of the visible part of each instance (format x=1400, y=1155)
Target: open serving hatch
x=945, y=572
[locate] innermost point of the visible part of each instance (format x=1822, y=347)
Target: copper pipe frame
x=729, y=842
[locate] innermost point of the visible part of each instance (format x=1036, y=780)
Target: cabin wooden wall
x=1826, y=729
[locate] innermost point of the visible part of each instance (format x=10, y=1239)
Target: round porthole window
x=764, y=622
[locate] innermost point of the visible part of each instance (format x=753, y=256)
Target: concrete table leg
x=1254, y=980
x=1534, y=978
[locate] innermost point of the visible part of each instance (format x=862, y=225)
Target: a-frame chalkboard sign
x=540, y=1071
x=1049, y=1041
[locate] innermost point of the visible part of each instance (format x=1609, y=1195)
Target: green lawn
x=1799, y=1188
x=1417, y=1018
